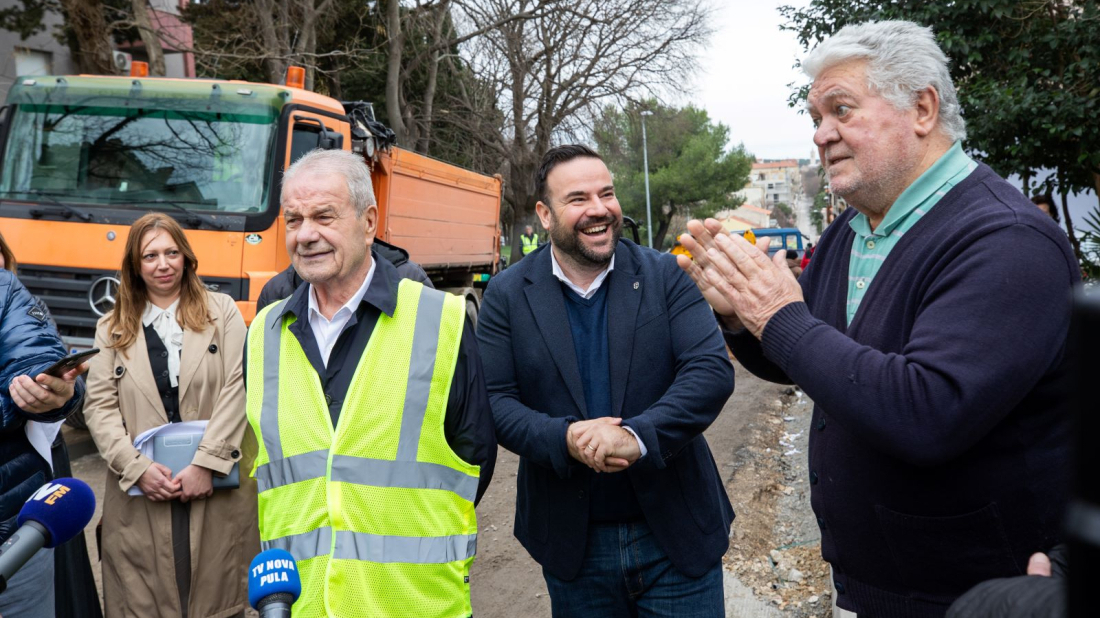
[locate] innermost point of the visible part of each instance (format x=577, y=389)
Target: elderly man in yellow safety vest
x=374, y=428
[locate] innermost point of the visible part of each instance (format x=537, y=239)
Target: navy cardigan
x=939, y=445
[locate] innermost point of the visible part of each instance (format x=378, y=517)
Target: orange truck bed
x=446, y=217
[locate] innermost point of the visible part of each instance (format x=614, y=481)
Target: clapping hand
x=738, y=279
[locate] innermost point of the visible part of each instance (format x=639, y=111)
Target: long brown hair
x=125, y=319
x=9, y=258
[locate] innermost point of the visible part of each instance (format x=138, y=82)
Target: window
x=761, y=176
x=775, y=196
x=32, y=62
x=133, y=157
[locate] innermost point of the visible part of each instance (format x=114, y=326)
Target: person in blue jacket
x=28, y=345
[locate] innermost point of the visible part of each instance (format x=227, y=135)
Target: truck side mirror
x=327, y=139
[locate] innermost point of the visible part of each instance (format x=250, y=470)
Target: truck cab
x=84, y=156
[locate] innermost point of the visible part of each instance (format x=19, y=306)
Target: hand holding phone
x=59, y=368
x=49, y=391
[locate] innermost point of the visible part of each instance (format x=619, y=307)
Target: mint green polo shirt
x=870, y=248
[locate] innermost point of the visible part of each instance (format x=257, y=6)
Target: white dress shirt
x=327, y=331
x=167, y=327
x=586, y=294
x=592, y=287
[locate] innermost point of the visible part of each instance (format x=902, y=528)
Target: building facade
x=43, y=54
x=780, y=182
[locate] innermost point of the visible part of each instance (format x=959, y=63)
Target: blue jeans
x=625, y=574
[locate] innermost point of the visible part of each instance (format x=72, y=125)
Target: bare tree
x=411, y=117
x=276, y=33
x=90, y=36
x=289, y=31
x=150, y=37
x=552, y=73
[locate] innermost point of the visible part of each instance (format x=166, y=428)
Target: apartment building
x=779, y=181
x=43, y=54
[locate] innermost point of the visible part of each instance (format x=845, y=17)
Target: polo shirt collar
x=924, y=189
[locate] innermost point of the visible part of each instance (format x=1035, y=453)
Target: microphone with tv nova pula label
x=273, y=583
x=55, y=513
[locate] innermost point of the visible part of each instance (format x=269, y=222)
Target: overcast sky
x=743, y=84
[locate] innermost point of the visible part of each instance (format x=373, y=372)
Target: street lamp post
x=645, y=162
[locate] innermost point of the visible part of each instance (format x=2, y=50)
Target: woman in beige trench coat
x=144, y=574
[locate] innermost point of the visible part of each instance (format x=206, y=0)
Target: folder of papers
x=174, y=445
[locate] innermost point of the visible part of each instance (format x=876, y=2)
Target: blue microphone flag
x=62, y=506
x=273, y=572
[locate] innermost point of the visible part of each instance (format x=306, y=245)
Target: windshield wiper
x=68, y=211
x=193, y=218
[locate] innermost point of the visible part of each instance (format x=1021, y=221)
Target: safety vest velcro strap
x=406, y=474
x=304, y=546
x=293, y=469
x=406, y=549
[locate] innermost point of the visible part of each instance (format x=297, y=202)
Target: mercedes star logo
x=101, y=296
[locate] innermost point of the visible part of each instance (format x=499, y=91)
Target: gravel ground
x=775, y=551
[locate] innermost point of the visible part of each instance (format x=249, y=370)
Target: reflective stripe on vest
x=409, y=549
x=294, y=469
x=378, y=548
x=303, y=546
x=269, y=413
x=374, y=472
x=425, y=341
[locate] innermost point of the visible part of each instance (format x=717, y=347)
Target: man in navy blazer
x=604, y=365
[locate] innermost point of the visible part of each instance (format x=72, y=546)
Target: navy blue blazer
x=670, y=377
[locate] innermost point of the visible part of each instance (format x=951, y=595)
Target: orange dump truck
x=85, y=156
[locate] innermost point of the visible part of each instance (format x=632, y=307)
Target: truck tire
x=471, y=311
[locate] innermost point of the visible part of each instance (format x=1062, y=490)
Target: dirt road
x=764, y=485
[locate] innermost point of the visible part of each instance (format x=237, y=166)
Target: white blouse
x=170, y=332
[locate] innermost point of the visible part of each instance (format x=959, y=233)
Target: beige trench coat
x=122, y=402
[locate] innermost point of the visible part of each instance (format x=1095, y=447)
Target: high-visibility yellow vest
x=529, y=244
x=378, y=512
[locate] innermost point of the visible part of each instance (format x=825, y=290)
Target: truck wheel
x=471, y=312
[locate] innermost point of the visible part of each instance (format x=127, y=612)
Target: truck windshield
x=104, y=146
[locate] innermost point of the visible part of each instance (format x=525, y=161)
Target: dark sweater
x=939, y=447
x=613, y=498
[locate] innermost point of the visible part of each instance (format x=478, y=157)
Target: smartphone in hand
x=71, y=361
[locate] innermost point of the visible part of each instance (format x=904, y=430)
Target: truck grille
x=65, y=292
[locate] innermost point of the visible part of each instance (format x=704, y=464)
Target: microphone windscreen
x=272, y=572
x=63, y=506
